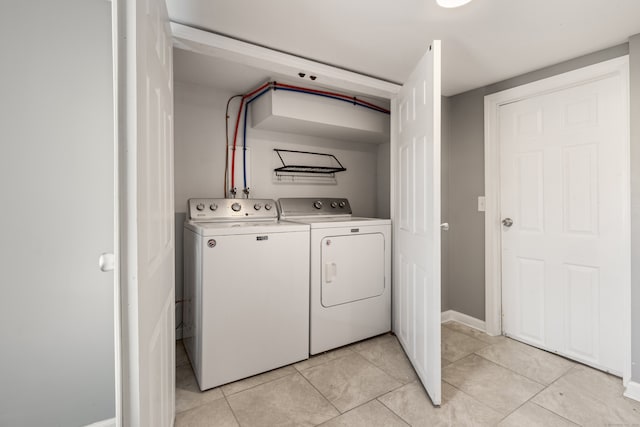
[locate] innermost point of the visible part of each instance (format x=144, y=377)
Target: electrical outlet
x=481, y=204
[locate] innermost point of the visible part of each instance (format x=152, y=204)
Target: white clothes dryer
x=350, y=271
x=246, y=289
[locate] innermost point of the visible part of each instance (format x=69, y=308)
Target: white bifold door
x=415, y=154
x=146, y=132
x=564, y=201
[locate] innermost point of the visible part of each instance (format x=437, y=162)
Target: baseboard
x=455, y=316
x=104, y=423
x=633, y=390
x=179, y=333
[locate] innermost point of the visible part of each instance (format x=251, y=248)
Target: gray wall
x=57, y=189
x=445, y=136
x=634, y=56
x=465, y=284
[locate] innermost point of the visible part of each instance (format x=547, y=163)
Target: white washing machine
x=246, y=289
x=350, y=271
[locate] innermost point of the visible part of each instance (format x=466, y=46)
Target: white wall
x=199, y=162
x=57, y=191
x=384, y=181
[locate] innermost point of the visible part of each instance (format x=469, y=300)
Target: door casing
x=493, y=248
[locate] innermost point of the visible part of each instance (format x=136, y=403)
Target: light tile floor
x=487, y=381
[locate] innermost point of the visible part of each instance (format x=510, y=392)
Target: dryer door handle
x=330, y=272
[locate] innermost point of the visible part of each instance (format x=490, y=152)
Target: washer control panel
x=308, y=206
x=212, y=210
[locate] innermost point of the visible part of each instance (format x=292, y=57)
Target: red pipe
x=235, y=133
x=340, y=95
x=233, y=150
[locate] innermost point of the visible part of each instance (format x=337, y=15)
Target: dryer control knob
x=334, y=204
x=343, y=204
x=268, y=206
x=257, y=206
x=200, y=207
x=317, y=204
x=236, y=207
x=213, y=207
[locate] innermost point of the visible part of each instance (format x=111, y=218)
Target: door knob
x=444, y=226
x=107, y=262
x=507, y=222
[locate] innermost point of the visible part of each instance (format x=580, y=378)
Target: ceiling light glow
x=452, y=3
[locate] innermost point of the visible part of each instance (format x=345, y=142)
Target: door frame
x=493, y=248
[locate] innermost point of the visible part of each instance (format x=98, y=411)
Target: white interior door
x=57, y=181
x=148, y=342
x=564, y=185
x=415, y=173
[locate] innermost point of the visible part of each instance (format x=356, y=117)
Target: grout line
x=593, y=396
x=256, y=385
x=575, y=363
x=396, y=388
x=545, y=388
x=477, y=401
x=363, y=403
x=392, y=411
x=444, y=325
x=200, y=393
x=371, y=400
x=208, y=402
x=509, y=369
x=553, y=412
x=385, y=370
x=326, y=361
x=321, y=394
x=232, y=411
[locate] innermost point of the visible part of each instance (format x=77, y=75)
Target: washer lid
x=244, y=227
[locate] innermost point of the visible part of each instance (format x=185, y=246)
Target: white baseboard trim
x=104, y=423
x=455, y=316
x=633, y=390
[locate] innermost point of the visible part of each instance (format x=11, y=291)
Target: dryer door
x=352, y=268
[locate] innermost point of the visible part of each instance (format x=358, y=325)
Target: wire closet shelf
x=333, y=166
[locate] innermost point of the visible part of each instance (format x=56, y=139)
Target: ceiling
x=484, y=42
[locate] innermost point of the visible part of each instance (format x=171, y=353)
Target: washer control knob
x=213, y=207
x=317, y=204
x=334, y=204
x=257, y=206
x=200, y=206
x=236, y=207
x=343, y=204
x=268, y=206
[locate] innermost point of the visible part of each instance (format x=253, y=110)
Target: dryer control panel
x=309, y=206
x=219, y=210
